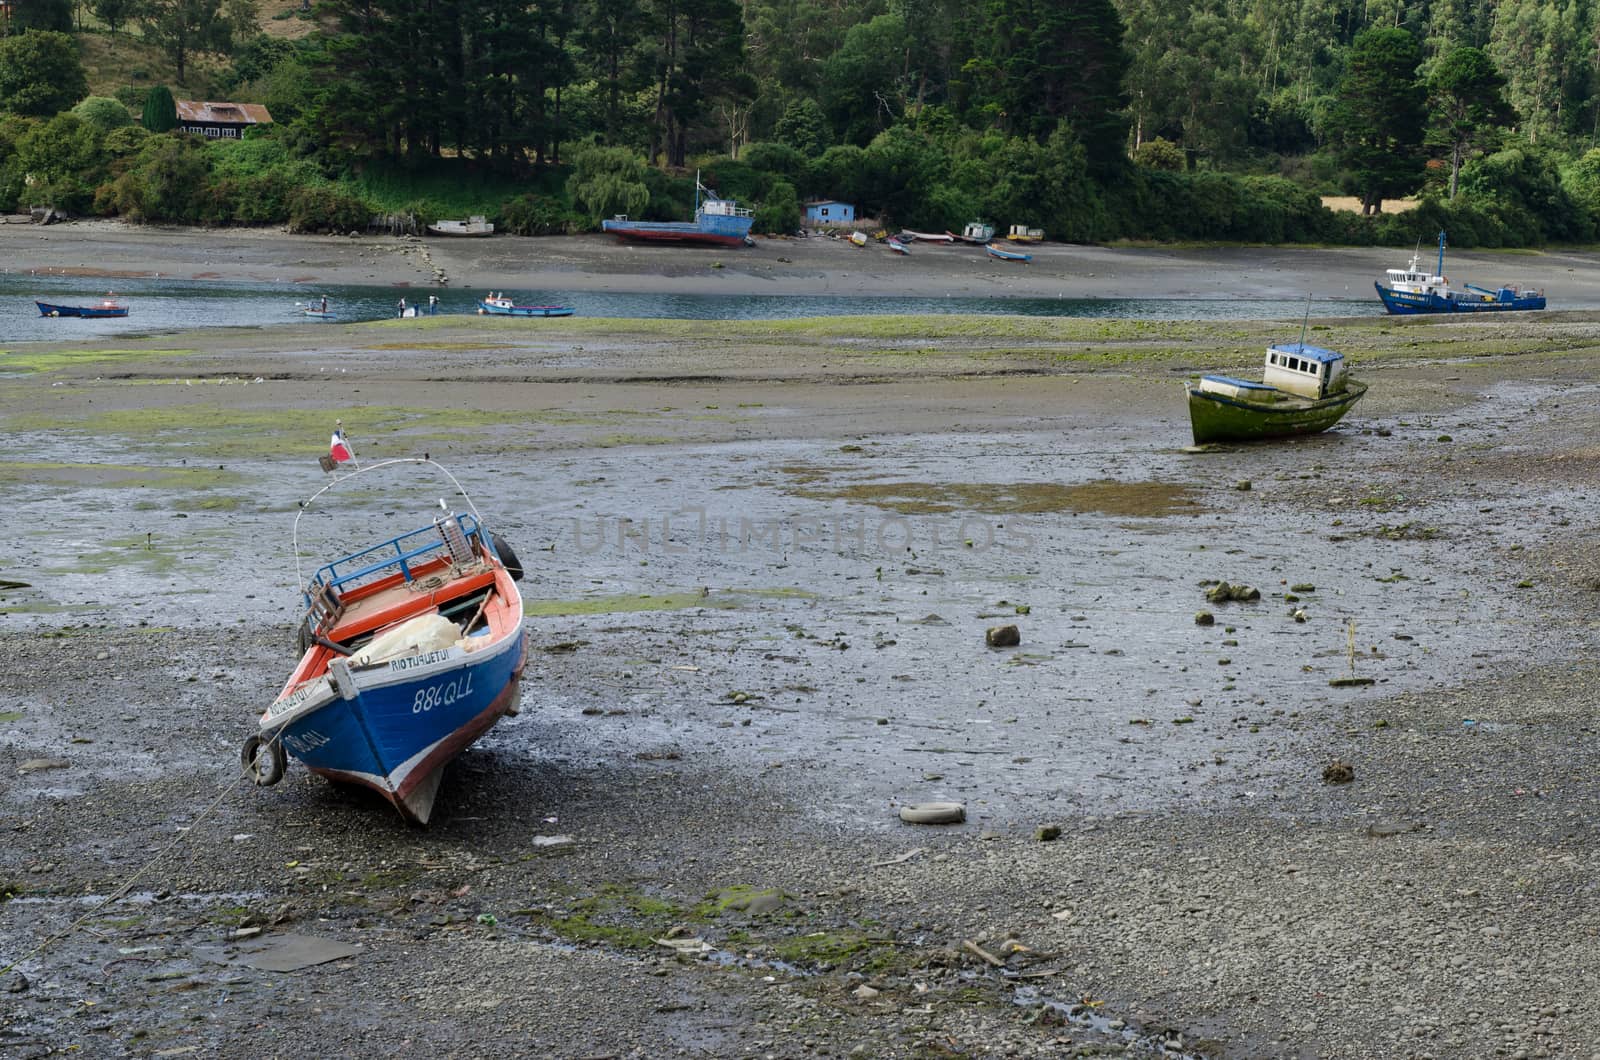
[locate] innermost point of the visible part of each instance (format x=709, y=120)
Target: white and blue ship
x=1411, y=290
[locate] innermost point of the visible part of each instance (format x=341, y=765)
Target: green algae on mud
x=50, y=360
x=1149, y=499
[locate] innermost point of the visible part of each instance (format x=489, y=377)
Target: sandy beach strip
x=784, y=266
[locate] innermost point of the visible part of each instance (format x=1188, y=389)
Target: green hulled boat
x=1304, y=390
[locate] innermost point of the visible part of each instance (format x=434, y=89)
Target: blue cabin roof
x=1314, y=353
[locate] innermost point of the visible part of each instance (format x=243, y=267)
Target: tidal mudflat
x=1351, y=818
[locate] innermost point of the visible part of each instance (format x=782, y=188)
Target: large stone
x=1003, y=637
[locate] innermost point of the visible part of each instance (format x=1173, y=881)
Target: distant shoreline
x=816, y=265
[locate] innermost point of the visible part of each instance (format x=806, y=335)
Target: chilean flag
x=339, y=449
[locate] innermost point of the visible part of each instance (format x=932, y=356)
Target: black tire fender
x=264, y=760
x=509, y=558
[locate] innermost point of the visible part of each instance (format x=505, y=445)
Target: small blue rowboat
x=1007, y=255
x=499, y=305
x=104, y=308
x=411, y=650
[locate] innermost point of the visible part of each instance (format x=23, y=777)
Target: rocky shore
x=763, y=559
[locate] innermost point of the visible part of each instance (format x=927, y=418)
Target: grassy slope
x=114, y=62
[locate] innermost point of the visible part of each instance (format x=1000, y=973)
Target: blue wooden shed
x=828, y=211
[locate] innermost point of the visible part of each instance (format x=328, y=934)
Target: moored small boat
x=977, y=233
x=476, y=225
x=411, y=649
x=899, y=247
x=1303, y=390
x=1024, y=234
x=106, y=307
x=1411, y=290
x=500, y=305
x=1007, y=255
x=930, y=237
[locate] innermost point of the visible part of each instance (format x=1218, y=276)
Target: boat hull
x=405, y=719
x=710, y=230
x=46, y=309
x=1407, y=303
x=1217, y=417
x=1007, y=255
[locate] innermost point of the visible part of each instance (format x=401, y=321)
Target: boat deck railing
x=401, y=553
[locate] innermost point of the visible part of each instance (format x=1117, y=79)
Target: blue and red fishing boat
x=718, y=222
x=106, y=307
x=411, y=649
x=1411, y=290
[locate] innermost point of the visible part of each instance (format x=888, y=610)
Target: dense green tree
x=1524, y=184
x=40, y=73
x=166, y=182
x=1041, y=61
x=1188, y=74
x=160, y=110
x=1542, y=47
x=53, y=15
x=698, y=58
x=1469, y=107
x=608, y=36
x=1377, y=120
x=115, y=13
x=183, y=29
x=804, y=127
x=860, y=93
x=63, y=161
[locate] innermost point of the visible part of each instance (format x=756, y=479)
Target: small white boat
x=476, y=225
x=858, y=238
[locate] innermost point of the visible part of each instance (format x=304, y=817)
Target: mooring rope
x=120, y=892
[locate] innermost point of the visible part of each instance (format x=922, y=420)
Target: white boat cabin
x=1309, y=371
x=1413, y=280
x=722, y=208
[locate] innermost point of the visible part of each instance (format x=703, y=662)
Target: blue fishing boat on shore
x=106, y=307
x=717, y=222
x=501, y=306
x=1007, y=255
x=411, y=649
x=1411, y=291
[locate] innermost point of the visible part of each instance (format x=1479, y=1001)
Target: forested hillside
x=1094, y=119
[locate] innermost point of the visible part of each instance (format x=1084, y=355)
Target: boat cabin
x=977, y=231
x=1309, y=371
x=722, y=208
x=1413, y=280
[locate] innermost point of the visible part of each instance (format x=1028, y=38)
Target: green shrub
x=103, y=112
x=325, y=209
x=1161, y=154
x=536, y=215
x=780, y=212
